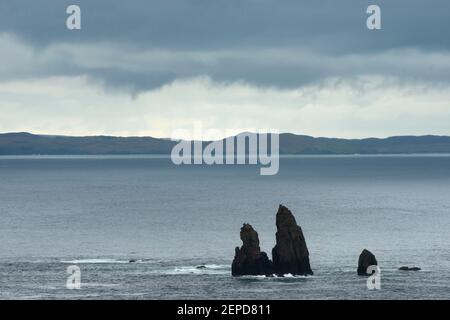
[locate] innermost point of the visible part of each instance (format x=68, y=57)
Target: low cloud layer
x=140, y=70
x=284, y=43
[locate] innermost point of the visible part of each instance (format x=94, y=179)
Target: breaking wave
x=211, y=269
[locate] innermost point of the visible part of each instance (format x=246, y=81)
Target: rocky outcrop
x=366, y=259
x=201, y=267
x=290, y=254
x=409, y=269
x=249, y=260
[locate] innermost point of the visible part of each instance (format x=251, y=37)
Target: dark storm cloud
x=283, y=43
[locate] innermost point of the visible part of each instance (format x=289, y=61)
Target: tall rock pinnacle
x=290, y=254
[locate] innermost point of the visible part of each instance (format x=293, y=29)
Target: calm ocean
x=100, y=212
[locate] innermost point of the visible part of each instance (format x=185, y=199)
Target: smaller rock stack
x=249, y=260
x=366, y=259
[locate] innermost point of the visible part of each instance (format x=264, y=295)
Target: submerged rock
x=366, y=259
x=201, y=267
x=249, y=260
x=290, y=254
x=409, y=268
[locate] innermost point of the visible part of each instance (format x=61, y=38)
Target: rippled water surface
x=101, y=212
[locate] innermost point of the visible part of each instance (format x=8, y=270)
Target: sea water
x=101, y=212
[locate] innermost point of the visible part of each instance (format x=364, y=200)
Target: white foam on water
x=216, y=266
x=274, y=276
x=207, y=269
x=98, y=285
x=290, y=276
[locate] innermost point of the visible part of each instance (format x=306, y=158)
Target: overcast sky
x=148, y=67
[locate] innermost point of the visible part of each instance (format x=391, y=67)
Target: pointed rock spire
x=290, y=254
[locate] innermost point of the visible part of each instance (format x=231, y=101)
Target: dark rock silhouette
x=366, y=259
x=409, y=269
x=201, y=267
x=249, y=260
x=290, y=254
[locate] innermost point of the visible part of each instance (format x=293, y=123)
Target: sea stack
x=366, y=259
x=249, y=260
x=290, y=254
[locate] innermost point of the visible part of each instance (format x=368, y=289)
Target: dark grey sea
x=100, y=212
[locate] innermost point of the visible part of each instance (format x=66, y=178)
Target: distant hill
x=297, y=144
x=30, y=144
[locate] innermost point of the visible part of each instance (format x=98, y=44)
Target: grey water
x=100, y=212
